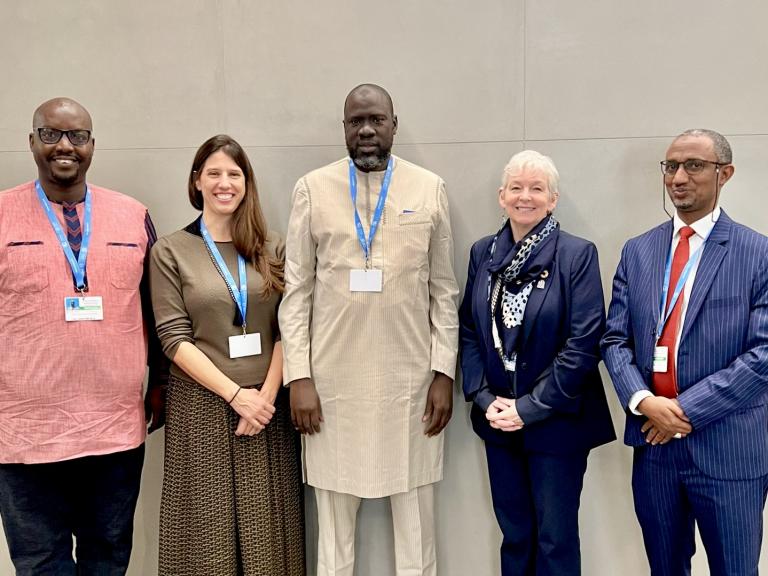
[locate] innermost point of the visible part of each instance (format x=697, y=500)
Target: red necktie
x=665, y=383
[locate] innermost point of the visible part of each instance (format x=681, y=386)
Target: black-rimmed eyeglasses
x=53, y=135
x=691, y=166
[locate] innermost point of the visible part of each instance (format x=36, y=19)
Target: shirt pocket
x=413, y=234
x=414, y=219
x=126, y=265
x=26, y=264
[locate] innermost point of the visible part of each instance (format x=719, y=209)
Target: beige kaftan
x=372, y=356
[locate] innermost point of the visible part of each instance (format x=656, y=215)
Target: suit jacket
x=722, y=358
x=557, y=384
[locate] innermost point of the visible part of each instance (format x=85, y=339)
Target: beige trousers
x=414, y=530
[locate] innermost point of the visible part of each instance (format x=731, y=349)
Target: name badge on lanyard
x=367, y=279
x=660, y=358
x=661, y=353
x=243, y=344
x=78, y=308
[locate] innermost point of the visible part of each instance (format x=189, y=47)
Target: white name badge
x=245, y=345
x=660, y=359
x=365, y=280
x=81, y=308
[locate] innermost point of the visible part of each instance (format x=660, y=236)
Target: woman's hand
x=269, y=394
x=255, y=411
x=502, y=415
x=246, y=429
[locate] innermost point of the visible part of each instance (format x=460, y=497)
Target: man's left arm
x=443, y=317
x=746, y=378
x=159, y=365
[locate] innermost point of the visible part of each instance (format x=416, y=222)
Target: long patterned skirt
x=231, y=506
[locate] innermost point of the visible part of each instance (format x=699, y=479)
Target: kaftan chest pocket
x=126, y=265
x=28, y=273
x=410, y=249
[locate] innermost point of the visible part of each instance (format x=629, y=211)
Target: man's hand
x=306, y=412
x=154, y=407
x=439, y=404
x=665, y=419
x=502, y=415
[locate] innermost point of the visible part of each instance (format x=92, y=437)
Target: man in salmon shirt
x=75, y=335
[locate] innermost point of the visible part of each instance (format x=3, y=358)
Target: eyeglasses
x=691, y=166
x=53, y=135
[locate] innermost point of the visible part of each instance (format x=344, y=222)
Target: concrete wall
x=600, y=85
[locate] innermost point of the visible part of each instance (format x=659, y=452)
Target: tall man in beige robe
x=370, y=336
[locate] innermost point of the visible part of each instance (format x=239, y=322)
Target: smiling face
x=694, y=196
x=62, y=167
x=526, y=199
x=369, y=127
x=222, y=184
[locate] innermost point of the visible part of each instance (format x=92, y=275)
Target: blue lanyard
x=240, y=295
x=366, y=244
x=692, y=260
x=77, y=265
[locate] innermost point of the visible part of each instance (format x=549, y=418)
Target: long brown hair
x=248, y=227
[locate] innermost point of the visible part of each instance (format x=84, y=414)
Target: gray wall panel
x=599, y=85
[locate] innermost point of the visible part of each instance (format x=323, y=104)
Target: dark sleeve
x=560, y=386
x=472, y=351
x=159, y=365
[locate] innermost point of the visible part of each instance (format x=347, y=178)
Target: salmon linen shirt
x=70, y=389
x=372, y=355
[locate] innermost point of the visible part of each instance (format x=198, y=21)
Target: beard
x=65, y=180
x=368, y=162
x=681, y=203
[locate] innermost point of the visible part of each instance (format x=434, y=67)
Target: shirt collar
x=703, y=226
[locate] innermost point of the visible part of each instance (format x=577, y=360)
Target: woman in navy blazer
x=531, y=322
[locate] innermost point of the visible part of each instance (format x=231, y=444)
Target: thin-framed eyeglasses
x=53, y=135
x=691, y=166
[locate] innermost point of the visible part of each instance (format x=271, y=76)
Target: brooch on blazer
x=544, y=276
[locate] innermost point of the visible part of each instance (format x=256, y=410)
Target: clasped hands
x=255, y=408
x=502, y=415
x=666, y=419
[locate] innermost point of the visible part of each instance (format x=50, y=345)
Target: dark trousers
x=92, y=498
x=536, y=501
x=671, y=495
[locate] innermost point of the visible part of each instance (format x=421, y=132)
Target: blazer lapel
x=538, y=295
x=535, y=300
x=657, y=252
x=714, y=251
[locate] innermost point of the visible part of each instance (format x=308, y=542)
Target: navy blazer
x=722, y=359
x=558, y=388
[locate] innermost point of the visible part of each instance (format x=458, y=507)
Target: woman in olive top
x=232, y=495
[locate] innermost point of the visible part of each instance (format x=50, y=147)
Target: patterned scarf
x=513, y=302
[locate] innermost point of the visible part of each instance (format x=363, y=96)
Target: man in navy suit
x=687, y=349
